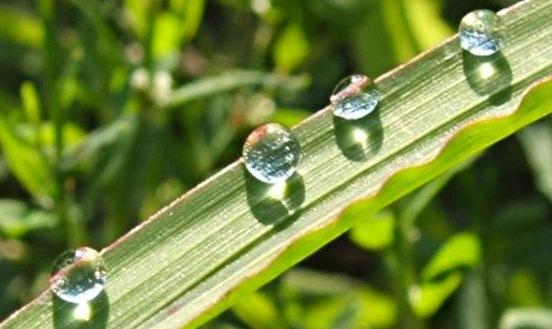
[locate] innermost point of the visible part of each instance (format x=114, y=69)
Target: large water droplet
x=481, y=33
x=271, y=153
x=78, y=276
x=354, y=97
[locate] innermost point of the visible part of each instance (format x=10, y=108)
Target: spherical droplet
x=271, y=153
x=78, y=276
x=481, y=33
x=354, y=97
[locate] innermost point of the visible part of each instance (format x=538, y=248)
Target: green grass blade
x=227, y=237
x=229, y=81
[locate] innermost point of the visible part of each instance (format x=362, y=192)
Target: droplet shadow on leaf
x=489, y=75
x=92, y=315
x=273, y=204
x=357, y=139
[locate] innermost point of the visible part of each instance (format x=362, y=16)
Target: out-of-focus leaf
x=520, y=214
x=17, y=218
x=20, y=27
x=217, y=325
x=69, y=86
x=377, y=310
x=394, y=31
x=413, y=204
x=335, y=301
x=232, y=80
x=26, y=162
x=363, y=309
x=528, y=251
x=472, y=302
x=289, y=117
x=7, y=102
x=526, y=318
x=440, y=278
x=537, y=143
x=91, y=144
x=168, y=35
x=305, y=282
x=191, y=12
x=374, y=48
x=462, y=250
x=136, y=12
x=404, y=44
x=374, y=233
x=31, y=102
x=291, y=48
x=176, y=26
x=524, y=290
x=258, y=312
x=72, y=134
x=426, y=22
x=322, y=313
x=428, y=297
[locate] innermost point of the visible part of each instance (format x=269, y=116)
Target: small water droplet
x=78, y=276
x=481, y=33
x=271, y=153
x=354, y=97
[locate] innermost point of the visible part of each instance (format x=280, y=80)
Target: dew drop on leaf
x=271, y=153
x=354, y=97
x=78, y=276
x=481, y=33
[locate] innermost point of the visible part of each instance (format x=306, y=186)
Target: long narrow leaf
x=229, y=236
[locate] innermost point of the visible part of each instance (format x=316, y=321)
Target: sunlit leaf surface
x=229, y=235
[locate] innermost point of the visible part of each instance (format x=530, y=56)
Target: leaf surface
x=230, y=235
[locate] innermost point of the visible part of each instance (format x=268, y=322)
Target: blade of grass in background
x=231, y=234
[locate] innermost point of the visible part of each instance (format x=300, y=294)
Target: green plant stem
x=149, y=37
x=400, y=264
x=119, y=171
x=52, y=91
x=479, y=213
x=408, y=31
x=52, y=54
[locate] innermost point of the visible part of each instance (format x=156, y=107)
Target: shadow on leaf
x=489, y=75
x=357, y=139
x=273, y=204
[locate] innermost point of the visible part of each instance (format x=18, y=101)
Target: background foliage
x=109, y=110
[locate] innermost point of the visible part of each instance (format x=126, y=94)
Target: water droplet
x=354, y=97
x=481, y=33
x=78, y=276
x=271, y=153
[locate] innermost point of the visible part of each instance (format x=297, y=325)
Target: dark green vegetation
x=93, y=140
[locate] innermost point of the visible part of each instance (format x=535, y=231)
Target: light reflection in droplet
x=486, y=70
x=360, y=137
x=82, y=312
x=277, y=191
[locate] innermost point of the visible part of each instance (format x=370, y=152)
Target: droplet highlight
x=481, y=33
x=354, y=97
x=271, y=153
x=78, y=276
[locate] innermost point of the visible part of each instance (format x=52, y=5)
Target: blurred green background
x=111, y=109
